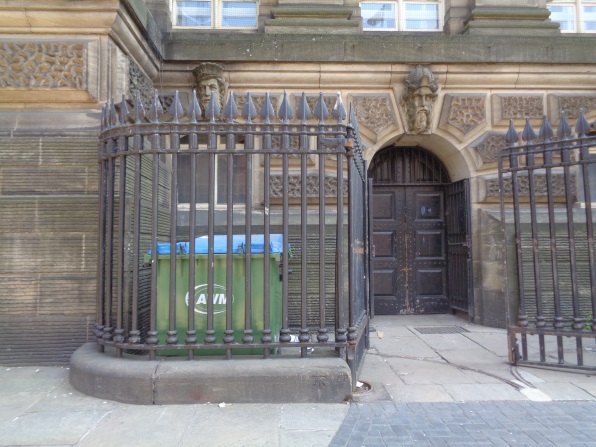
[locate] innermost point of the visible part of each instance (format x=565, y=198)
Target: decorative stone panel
x=489, y=146
x=571, y=105
x=540, y=185
x=312, y=186
x=138, y=81
x=43, y=65
x=517, y=107
x=374, y=111
x=462, y=114
x=258, y=100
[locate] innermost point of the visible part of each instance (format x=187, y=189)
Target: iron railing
x=547, y=189
x=268, y=211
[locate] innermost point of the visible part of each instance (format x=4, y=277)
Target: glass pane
x=422, y=17
x=239, y=14
x=565, y=15
x=193, y=13
x=590, y=18
x=378, y=16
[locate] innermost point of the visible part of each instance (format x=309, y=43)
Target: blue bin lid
x=257, y=244
x=163, y=248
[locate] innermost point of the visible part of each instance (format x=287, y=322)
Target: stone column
x=510, y=17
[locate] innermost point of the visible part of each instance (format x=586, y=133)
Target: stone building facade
x=493, y=61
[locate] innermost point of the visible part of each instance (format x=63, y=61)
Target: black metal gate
x=205, y=217
x=459, y=247
x=547, y=184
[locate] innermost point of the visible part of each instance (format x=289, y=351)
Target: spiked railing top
x=134, y=111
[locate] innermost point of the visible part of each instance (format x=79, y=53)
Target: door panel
x=409, y=260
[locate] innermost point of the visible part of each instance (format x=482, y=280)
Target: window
x=574, y=16
x=401, y=15
x=215, y=14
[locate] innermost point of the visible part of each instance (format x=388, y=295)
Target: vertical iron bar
x=351, y=272
x=304, y=333
x=285, y=144
x=152, y=334
x=107, y=330
x=134, y=333
x=172, y=332
x=248, y=147
x=212, y=148
x=101, y=259
x=119, y=331
x=191, y=333
x=266, y=336
x=585, y=160
x=229, y=330
x=340, y=299
x=322, y=336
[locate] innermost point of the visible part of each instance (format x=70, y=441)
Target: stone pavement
x=449, y=388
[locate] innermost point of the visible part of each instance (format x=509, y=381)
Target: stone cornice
x=57, y=16
x=184, y=45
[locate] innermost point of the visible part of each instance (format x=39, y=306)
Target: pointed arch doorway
x=420, y=226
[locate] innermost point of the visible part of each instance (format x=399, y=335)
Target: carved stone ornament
x=209, y=81
x=43, y=65
x=467, y=112
x=540, y=186
x=139, y=82
x=374, y=112
x=518, y=107
x=258, y=100
x=490, y=147
x=571, y=105
x=312, y=186
x=419, y=99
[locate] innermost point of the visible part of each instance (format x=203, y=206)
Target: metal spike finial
x=156, y=109
x=528, y=134
x=285, y=111
x=511, y=137
x=303, y=112
x=249, y=111
x=194, y=110
x=339, y=111
x=230, y=112
x=321, y=111
x=267, y=113
x=123, y=110
x=176, y=111
x=113, y=114
x=138, y=109
x=564, y=129
x=582, y=127
x=212, y=110
x=546, y=131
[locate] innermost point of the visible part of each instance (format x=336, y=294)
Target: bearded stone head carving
x=209, y=81
x=419, y=99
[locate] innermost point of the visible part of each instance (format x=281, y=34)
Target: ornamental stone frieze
x=375, y=112
x=507, y=107
x=139, y=82
x=489, y=146
x=540, y=185
x=258, y=99
x=571, y=105
x=43, y=65
x=312, y=186
x=463, y=114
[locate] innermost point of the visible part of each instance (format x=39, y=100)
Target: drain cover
x=441, y=330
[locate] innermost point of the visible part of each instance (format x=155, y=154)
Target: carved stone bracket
x=375, y=112
x=463, y=114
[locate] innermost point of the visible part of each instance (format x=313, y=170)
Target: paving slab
x=49, y=428
x=420, y=372
x=418, y=393
x=483, y=392
x=404, y=346
x=563, y=391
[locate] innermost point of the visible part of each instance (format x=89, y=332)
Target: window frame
x=579, y=11
x=216, y=16
x=401, y=19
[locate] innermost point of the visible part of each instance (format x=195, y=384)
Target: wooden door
x=409, y=260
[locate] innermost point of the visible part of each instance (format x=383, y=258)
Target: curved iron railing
x=261, y=216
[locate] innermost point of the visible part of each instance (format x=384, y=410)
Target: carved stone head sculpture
x=419, y=99
x=209, y=81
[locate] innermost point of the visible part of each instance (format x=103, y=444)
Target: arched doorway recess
x=420, y=222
